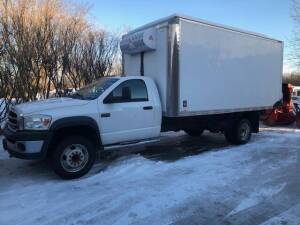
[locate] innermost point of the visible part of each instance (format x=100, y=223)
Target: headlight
x=36, y=122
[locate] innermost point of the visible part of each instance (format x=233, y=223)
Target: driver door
x=127, y=113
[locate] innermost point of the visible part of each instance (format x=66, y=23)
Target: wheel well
x=253, y=117
x=231, y=119
x=80, y=130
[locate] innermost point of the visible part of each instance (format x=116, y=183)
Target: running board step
x=131, y=144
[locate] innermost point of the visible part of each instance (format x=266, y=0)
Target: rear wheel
x=73, y=157
x=239, y=133
x=194, y=132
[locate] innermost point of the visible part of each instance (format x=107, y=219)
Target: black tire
x=240, y=133
x=72, y=151
x=194, y=132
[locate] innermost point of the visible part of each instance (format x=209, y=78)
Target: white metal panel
x=155, y=64
x=221, y=69
x=131, y=64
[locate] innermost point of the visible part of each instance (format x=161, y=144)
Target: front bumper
x=26, y=144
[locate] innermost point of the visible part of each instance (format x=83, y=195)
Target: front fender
x=76, y=121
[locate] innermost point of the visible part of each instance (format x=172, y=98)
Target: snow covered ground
x=181, y=180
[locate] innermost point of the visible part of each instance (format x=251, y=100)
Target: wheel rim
x=244, y=131
x=74, y=158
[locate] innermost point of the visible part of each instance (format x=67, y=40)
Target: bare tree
x=49, y=44
x=92, y=57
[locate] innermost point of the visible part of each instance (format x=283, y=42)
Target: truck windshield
x=95, y=89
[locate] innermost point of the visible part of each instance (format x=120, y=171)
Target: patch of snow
x=2, y=107
x=292, y=128
x=196, y=186
x=257, y=197
x=288, y=217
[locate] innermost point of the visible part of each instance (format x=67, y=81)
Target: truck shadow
x=185, y=146
x=172, y=148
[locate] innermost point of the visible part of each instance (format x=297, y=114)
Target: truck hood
x=44, y=105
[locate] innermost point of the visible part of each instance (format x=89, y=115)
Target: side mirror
x=109, y=99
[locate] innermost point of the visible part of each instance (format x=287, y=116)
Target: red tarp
x=285, y=113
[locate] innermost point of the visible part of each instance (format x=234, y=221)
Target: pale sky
x=269, y=17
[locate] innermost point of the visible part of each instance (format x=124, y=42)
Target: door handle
x=105, y=114
x=147, y=107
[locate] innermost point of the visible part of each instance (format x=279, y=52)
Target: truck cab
x=110, y=111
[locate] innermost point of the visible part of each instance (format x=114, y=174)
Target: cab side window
x=128, y=91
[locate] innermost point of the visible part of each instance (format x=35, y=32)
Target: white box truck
x=180, y=73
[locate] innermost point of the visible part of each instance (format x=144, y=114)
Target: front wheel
x=239, y=133
x=73, y=157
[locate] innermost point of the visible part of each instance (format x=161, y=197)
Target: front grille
x=12, y=121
